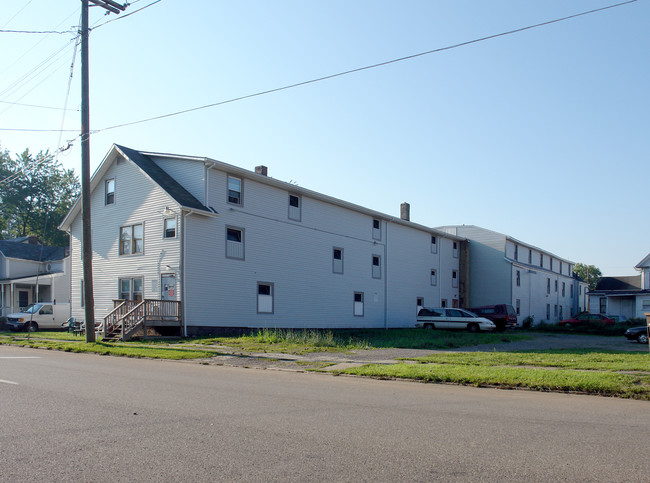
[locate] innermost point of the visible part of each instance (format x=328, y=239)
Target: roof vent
x=263, y=170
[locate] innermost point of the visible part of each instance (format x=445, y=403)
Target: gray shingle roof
x=619, y=283
x=27, y=251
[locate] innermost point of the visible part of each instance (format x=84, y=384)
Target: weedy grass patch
x=563, y=380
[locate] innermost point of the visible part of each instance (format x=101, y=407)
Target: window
x=563, y=289
x=434, y=278
x=419, y=303
x=131, y=288
x=110, y=191
x=434, y=244
x=518, y=306
x=555, y=286
x=264, y=298
x=169, y=228
x=561, y=267
x=337, y=260
x=645, y=304
x=454, y=278
x=555, y=310
x=530, y=257
x=358, y=304
x=376, y=266
x=234, y=190
x=376, y=229
x=234, y=243
x=541, y=260
x=548, y=311
x=561, y=312
x=516, y=252
x=443, y=303
x=551, y=262
x=518, y=277
x=548, y=285
x=295, y=207
x=131, y=240
x=603, y=305
x=455, y=249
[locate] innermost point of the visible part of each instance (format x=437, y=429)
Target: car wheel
x=429, y=326
x=31, y=327
x=473, y=328
x=642, y=338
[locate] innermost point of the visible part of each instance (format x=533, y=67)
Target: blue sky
x=542, y=135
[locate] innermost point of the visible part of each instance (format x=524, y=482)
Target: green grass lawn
x=604, y=373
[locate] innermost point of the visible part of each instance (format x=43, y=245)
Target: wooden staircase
x=133, y=317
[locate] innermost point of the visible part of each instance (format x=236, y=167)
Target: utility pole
x=87, y=249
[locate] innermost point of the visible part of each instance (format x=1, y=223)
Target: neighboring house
x=623, y=297
x=534, y=281
x=241, y=249
x=32, y=272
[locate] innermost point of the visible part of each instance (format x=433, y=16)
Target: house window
x=455, y=249
x=518, y=277
x=541, y=260
x=376, y=266
x=548, y=285
x=561, y=267
x=234, y=190
x=419, y=303
x=295, y=207
x=454, y=278
x=131, y=239
x=645, y=304
x=555, y=310
x=563, y=289
x=434, y=244
x=234, y=243
x=517, y=252
x=434, y=278
x=337, y=260
x=358, y=304
x=110, y=191
x=169, y=229
x=131, y=288
x=518, y=306
x=443, y=303
x=603, y=305
x=555, y=286
x=264, y=298
x=561, y=312
x=376, y=229
x=551, y=262
x=530, y=257
x=548, y=311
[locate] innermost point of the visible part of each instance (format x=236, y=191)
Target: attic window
x=110, y=191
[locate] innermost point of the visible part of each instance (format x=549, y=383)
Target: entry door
x=23, y=298
x=168, y=286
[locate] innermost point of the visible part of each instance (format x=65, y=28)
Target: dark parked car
x=583, y=319
x=639, y=334
x=503, y=315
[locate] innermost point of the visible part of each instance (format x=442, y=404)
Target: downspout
x=182, y=270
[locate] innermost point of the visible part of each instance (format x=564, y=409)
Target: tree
x=36, y=192
x=588, y=273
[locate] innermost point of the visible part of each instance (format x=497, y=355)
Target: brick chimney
x=405, y=211
x=263, y=170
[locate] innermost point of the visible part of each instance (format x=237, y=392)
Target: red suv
x=503, y=315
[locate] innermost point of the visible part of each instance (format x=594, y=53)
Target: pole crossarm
x=109, y=5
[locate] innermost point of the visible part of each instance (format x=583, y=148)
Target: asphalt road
x=77, y=417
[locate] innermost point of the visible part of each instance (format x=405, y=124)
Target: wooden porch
x=142, y=318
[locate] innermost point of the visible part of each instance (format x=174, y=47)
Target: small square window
x=110, y=191
x=169, y=230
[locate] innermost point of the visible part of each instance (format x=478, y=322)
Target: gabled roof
x=29, y=251
x=645, y=263
x=158, y=175
x=618, y=283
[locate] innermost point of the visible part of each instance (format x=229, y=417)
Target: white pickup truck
x=43, y=315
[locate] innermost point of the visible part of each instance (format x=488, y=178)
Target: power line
x=36, y=31
x=35, y=105
x=359, y=69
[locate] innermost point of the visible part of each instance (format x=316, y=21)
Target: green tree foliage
x=588, y=273
x=36, y=192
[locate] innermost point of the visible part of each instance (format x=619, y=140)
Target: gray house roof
x=28, y=251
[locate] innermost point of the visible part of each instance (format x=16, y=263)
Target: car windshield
x=32, y=309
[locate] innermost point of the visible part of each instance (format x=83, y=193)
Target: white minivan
x=43, y=315
x=444, y=318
